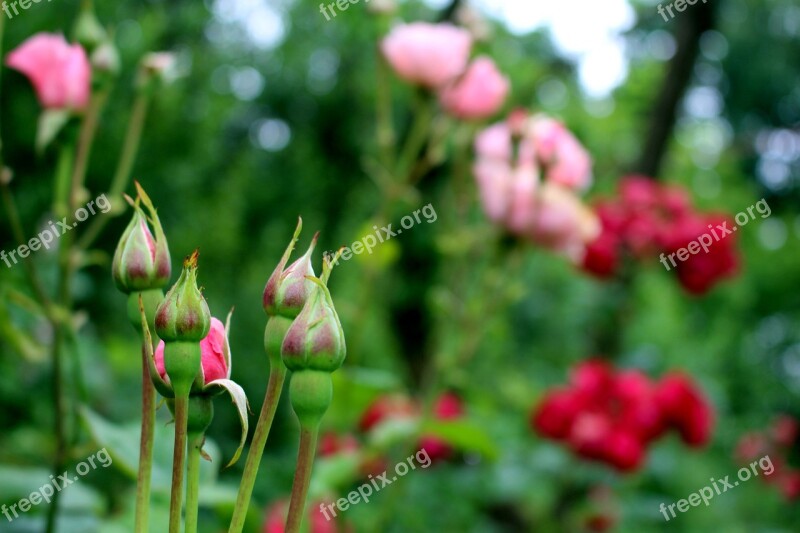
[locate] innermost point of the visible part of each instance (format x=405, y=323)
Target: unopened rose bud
x=215, y=356
x=105, y=59
x=156, y=68
x=87, y=30
x=315, y=340
x=142, y=261
x=184, y=314
x=288, y=289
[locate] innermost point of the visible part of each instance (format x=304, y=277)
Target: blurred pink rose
x=215, y=355
x=478, y=94
x=562, y=223
x=565, y=161
x=514, y=193
x=60, y=72
x=428, y=54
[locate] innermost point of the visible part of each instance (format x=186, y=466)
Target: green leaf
x=463, y=435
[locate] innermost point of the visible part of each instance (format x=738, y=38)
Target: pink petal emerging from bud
x=430, y=55
x=60, y=72
x=478, y=94
x=215, y=355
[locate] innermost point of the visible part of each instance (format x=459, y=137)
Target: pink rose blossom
x=60, y=72
x=515, y=190
x=427, y=54
x=566, y=162
x=215, y=355
x=478, y=94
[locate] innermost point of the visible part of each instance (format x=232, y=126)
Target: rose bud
x=182, y=321
x=315, y=340
x=141, y=260
x=430, y=55
x=87, y=29
x=478, y=94
x=60, y=72
x=184, y=314
x=215, y=356
x=288, y=289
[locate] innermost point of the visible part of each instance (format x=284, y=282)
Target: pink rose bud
x=60, y=72
x=183, y=316
x=288, y=288
x=215, y=355
x=479, y=93
x=430, y=55
x=315, y=340
x=142, y=261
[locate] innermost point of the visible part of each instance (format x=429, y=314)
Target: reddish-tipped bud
x=183, y=316
x=141, y=261
x=315, y=340
x=288, y=289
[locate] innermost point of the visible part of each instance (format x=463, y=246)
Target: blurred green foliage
x=251, y=138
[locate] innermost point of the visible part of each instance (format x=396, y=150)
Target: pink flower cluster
x=435, y=56
x=647, y=219
x=613, y=416
x=529, y=171
x=777, y=442
x=60, y=72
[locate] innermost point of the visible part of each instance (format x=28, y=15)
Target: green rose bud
x=288, y=289
x=141, y=260
x=87, y=30
x=315, y=340
x=183, y=315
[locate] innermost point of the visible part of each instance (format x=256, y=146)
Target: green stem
x=141, y=522
x=277, y=377
x=122, y=174
x=193, y=481
x=85, y=142
x=385, y=126
x=28, y=264
x=416, y=138
x=178, y=458
x=60, y=425
x=302, y=476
